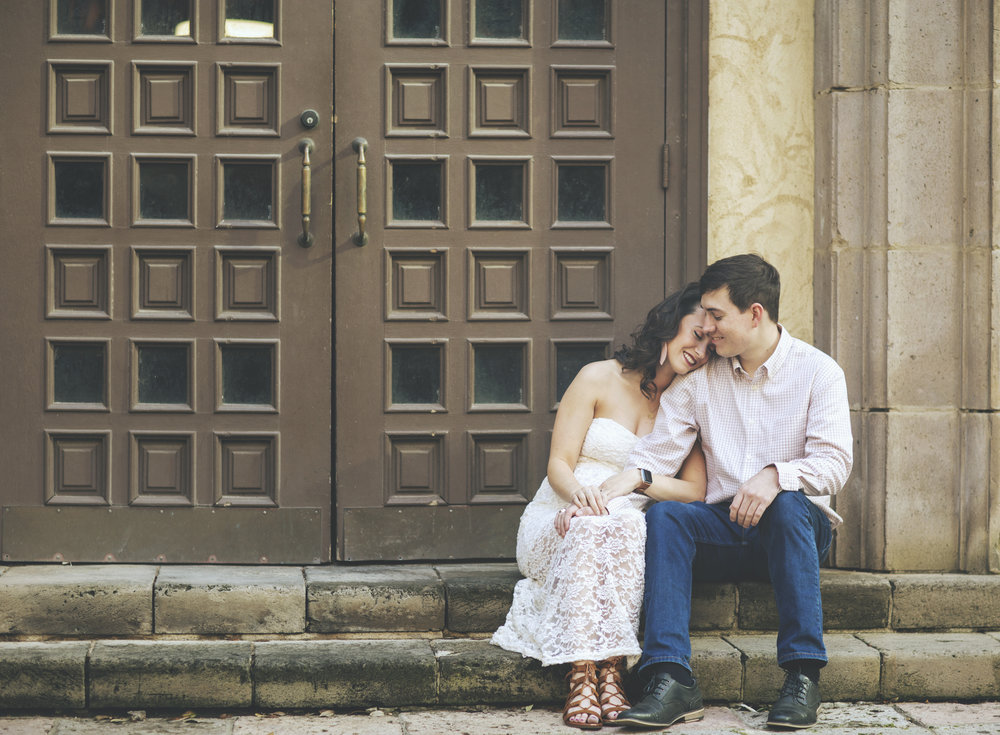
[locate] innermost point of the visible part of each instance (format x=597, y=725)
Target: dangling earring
x=663, y=352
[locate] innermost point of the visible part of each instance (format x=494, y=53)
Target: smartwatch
x=645, y=480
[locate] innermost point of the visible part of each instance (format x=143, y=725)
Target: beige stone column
x=760, y=143
x=905, y=275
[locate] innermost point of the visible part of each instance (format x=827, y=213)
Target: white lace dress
x=581, y=596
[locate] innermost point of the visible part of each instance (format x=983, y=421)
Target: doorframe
x=687, y=140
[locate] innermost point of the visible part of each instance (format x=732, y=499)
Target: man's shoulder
x=805, y=356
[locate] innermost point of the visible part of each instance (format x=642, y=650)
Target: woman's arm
x=687, y=486
x=573, y=419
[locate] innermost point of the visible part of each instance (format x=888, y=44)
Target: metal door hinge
x=666, y=165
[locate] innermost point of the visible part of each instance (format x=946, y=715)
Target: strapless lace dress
x=582, y=594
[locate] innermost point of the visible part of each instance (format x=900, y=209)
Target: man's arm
x=665, y=448
x=829, y=450
x=827, y=459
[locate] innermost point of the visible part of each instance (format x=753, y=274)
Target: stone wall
x=905, y=274
x=760, y=143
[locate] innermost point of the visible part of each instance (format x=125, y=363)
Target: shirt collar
x=775, y=361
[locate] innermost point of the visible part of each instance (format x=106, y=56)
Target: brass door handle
x=306, y=238
x=360, y=145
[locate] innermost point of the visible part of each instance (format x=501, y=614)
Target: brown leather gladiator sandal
x=611, y=689
x=582, y=699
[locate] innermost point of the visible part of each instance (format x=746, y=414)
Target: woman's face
x=689, y=350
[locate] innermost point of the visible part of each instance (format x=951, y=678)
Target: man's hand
x=754, y=497
x=619, y=484
x=590, y=496
x=564, y=516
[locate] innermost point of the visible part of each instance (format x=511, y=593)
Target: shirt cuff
x=788, y=476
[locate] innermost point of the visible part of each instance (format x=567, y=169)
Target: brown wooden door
x=516, y=226
x=166, y=340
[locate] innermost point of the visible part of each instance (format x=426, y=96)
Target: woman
x=583, y=556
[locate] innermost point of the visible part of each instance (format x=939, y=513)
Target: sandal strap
x=583, y=696
x=610, y=687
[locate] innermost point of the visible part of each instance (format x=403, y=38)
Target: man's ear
x=757, y=313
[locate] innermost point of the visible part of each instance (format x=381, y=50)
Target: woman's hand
x=564, y=516
x=619, y=484
x=590, y=496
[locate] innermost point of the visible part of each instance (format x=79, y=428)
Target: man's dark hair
x=749, y=278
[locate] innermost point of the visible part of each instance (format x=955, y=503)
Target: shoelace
x=658, y=687
x=795, y=686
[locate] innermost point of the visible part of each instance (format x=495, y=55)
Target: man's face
x=728, y=327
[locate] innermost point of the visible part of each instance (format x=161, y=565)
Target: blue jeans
x=688, y=542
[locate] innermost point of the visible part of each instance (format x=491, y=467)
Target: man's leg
x=678, y=536
x=793, y=538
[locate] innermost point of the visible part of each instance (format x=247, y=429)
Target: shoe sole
x=692, y=716
x=789, y=726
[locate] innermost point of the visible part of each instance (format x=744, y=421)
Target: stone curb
x=355, y=674
x=137, y=600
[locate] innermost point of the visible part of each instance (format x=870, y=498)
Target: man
x=773, y=418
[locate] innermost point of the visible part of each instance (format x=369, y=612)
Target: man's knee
x=788, y=508
x=667, y=511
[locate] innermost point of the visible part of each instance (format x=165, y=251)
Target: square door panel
x=581, y=192
x=499, y=375
x=76, y=467
x=415, y=375
x=499, y=285
x=248, y=99
x=499, y=193
x=416, y=191
x=500, y=22
x=246, y=469
x=163, y=375
x=77, y=377
x=246, y=283
x=498, y=467
x=566, y=358
x=78, y=189
x=415, y=469
x=247, y=191
x=75, y=21
x=163, y=190
x=78, y=281
x=165, y=21
x=583, y=23
x=162, y=283
x=161, y=469
x=246, y=375
x=416, y=100
x=164, y=98
x=581, y=283
x=80, y=97
x=416, y=285
x=250, y=21
x=416, y=22
x=499, y=101
x=581, y=102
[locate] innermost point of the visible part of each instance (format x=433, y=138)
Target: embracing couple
x=707, y=450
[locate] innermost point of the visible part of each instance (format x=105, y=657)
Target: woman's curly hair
x=661, y=325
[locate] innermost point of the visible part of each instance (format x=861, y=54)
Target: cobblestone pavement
x=909, y=718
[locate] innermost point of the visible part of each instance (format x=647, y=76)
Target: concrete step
x=104, y=675
x=180, y=637
x=459, y=599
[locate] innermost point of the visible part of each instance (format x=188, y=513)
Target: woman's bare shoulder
x=600, y=371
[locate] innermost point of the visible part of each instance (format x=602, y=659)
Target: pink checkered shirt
x=792, y=413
